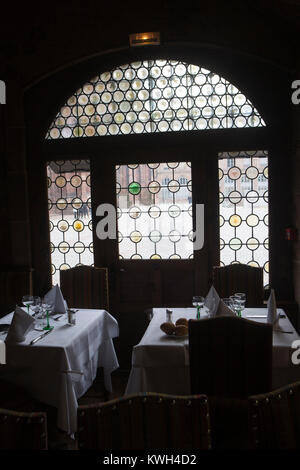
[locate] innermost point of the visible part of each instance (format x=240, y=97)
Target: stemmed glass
x=36, y=305
x=198, y=302
x=238, y=303
x=27, y=300
x=46, y=306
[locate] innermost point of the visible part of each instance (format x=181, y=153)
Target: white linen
x=21, y=324
x=46, y=369
x=272, y=310
x=160, y=363
x=212, y=301
x=55, y=298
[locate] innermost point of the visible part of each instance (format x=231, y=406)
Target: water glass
x=27, y=300
x=198, y=302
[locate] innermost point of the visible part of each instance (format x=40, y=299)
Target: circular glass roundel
x=78, y=225
x=52, y=247
x=221, y=220
x=174, y=211
x=76, y=181
x=266, y=196
x=174, y=236
x=135, y=236
x=132, y=166
x=60, y=181
x=252, y=220
x=153, y=166
x=155, y=256
x=51, y=226
x=53, y=269
x=154, y=212
x=61, y=204
x=235, y=220
x=78, y=247
x=173, y=164
x=174, y=256
x=154, y=187
x=49, y=204
x=266, y=243
x=222, y=243
x=136, y=256
x=235, y=244
x=252, y=243
x=134, y=188
x=173, y=186
x=252, y=197
x=254, y=264
x=221, y=197
x=234, y=173
x=235, y=197
x=120, y=237
x=91, y=247
x=90, y=225
x=76, y=203
x=64, y=247
x=252, y=172
x=266, y=266
x=118, y=188
x=63, y=225
x=134, y=212
x=155, y=236
x=221, y=173
x=266, y=220
x=64, y=266
x=266, y=172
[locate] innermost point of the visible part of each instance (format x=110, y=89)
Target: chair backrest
x=85, y=287
x=23, y=431
x=240, y=278
x=145, y=421
x=230, y=357
x=274, y=418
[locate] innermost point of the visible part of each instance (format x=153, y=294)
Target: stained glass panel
x=153, y=96
x=244, y=227
x=154, y=206
x=69, y=204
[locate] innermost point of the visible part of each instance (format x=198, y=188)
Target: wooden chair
x=240, y=278
x=23, y=431
x=274, y=418
x=230, y=357
x=85, y=287
x=145, y=421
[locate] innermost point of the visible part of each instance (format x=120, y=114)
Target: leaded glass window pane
x=154, y=205
x=244, y=225
x=69, y=204
x=153, y=96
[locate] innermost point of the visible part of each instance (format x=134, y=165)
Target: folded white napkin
x=55, y=298
x=223, y=309
x=272, y=309
x=212, y=300
x=21, y=324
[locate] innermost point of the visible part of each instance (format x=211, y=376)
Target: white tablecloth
x=160, y=363
x=43, y=368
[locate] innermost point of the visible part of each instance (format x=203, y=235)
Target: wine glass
x=46, y=306
x=198, y=302
x=36, y=305
x=27, y=300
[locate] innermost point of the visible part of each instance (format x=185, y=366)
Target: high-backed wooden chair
x=274, y=418
x=230, y=357
x=240, y=278
x=145, y=421
x=85, y=287
x=23, y=431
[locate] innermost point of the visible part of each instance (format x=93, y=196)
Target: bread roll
x=168, y=328
x=182, y=321
x=181, y=330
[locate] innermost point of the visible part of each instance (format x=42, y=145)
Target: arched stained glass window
x=153, y=96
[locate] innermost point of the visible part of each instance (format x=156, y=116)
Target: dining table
x=59, y=368
x=160, y=362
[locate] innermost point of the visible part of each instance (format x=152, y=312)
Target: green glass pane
x=134, y=188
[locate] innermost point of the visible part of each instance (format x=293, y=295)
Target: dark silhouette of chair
x=85, y=287
x=233, y=278
x=274, y=418
x=22, y=430
x=230, y=357
x=145, y=421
